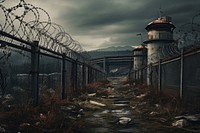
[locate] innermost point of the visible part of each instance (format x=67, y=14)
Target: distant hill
x=116, y=48
x=111, y=51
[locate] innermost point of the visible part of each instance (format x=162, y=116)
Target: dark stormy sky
x=103, y=23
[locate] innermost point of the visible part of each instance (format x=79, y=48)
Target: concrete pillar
x=35, y=72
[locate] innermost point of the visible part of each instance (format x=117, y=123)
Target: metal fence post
x=83, y=76
x=75, y=76
x=35, y=72
x=135, y=77
x=182, y=74
x=141, y=76
x=104, y=65
x=63, y=77
x=89, y=74
x=159, y=75
x=95, y=76
x=149, y=75
x=86, y=74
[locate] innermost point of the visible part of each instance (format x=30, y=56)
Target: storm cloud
x=102, y=23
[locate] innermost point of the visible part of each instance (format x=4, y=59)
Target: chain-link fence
x=170, y=77
x=178, y=76
x=191, y=78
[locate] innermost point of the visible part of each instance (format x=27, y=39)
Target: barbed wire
x=187, y=37
x=32, y=23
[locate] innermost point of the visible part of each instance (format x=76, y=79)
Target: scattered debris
x=153, y=113
x=133, y=107
x=92, y=94
x=8, y=96
x=2, y=130
x=124, y=120
x=157, y=105
x=51, y=91
x=193, y=118
x=79, y=116
x=111, y=96
x=66, y=108
x=141, y=96
x=105, y=111
x=180, y=123
x=81, y=110
x=142, y=103
x=42, y=116
x=97, y=103
x=37, y=123
x=163, y=120
x=24, y=125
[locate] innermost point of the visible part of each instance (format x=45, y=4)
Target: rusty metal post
x=35, y=72
x=182, y=74
x=63, y=77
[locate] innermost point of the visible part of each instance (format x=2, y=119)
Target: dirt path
x=124, y=110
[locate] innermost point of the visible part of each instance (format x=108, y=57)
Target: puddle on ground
x=121, y=103
x=107, y=121
x=96, y=130
x=121, y=112
x=128, y=130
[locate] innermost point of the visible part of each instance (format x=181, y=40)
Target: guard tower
x=140, y=53
x=140, y=61
x=160, y=33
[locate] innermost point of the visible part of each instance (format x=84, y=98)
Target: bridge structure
x=108, y=62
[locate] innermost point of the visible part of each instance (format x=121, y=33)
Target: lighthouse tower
x=160, y=33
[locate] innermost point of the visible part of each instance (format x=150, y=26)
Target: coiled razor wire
x=31, y=23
